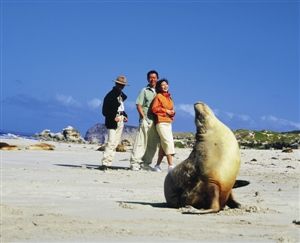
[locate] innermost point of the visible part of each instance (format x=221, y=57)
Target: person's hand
x=146, y=122
x=117, y=119
x=170, y=112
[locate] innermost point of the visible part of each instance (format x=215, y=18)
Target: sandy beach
x=62, y=196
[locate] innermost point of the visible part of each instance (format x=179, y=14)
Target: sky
x=59, y=59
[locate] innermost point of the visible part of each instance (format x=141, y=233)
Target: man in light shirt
x=147, y=139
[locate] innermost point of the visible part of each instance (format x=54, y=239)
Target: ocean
x=13, y=134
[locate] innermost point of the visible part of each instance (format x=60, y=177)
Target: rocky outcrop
x=72, y=135
x=68, y=134
x=98, y=134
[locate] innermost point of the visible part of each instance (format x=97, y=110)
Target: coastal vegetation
x=253, y=139
x=263, y=139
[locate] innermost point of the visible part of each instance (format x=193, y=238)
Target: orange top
x=161, y=103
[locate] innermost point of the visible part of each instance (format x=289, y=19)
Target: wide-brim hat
x=121, y=80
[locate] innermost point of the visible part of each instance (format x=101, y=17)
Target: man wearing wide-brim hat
x=114, y=112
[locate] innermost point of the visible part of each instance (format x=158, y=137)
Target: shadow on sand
x=155, y=205
x=94, y=167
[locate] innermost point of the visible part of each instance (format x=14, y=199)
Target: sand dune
x=61, y=196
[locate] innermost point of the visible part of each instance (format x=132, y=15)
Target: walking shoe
x=157, y=168
x=134, y=167
x=103, y=167
x=170, y=168
x=146, y=167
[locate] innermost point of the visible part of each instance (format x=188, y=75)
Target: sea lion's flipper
x=232, y=203
x=240, y=183
x=206, y=197
x=191, y=210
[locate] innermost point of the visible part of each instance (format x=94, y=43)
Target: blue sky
x=58, y=60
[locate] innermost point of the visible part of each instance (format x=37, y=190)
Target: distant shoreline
x=31, y=135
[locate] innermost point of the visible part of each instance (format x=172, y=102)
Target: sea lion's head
x=204, y=117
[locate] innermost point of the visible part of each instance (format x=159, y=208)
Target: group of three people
x=156, y=113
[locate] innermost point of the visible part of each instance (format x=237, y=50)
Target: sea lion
x=41, y=146
x=6, y=146
x=206, y=178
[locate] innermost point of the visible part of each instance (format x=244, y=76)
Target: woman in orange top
x=163, y=108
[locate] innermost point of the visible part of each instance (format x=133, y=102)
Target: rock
x=98, y=134
x=72, y=135
x=287, y=150
x=58, y=136
x=68, y=134
x=45, y=133
x=179, y=144
x=294, y=146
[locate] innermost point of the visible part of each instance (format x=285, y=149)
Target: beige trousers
x=164, y=130
x=114, y=137
x=145, y=145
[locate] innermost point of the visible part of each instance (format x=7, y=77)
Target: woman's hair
x=158, y=84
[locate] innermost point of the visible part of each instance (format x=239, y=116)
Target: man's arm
x=140, y=111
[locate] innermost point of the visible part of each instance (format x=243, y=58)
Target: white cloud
x=243, y=120
x=280, y=122
x=94, y=103
x=244, y=117
x=67, y=100
x=230, y=115
x=240, y=117
x=187, y=108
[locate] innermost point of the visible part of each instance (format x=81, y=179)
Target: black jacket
x=110, y=107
